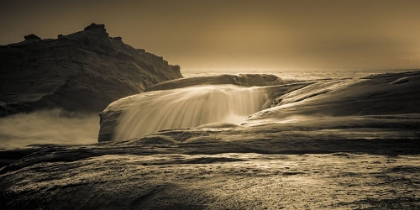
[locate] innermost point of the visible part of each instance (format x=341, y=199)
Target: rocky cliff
x=83, y=71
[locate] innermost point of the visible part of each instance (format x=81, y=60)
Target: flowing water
x=190, y=107
x=177, y=108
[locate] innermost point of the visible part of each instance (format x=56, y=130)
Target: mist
x=48, y=127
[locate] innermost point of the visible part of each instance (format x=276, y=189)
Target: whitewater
x=189, y=107
x=169, y=109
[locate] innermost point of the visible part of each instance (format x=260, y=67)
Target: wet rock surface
x=347, y=144
x=374, y=95
x=210, y=174
x=83, y=71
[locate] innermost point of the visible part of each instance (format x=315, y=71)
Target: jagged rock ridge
x=83, y=71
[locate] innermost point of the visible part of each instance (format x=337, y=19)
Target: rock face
x=32, y=37
x=83, y=71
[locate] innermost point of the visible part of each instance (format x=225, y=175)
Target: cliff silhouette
x=83, y=72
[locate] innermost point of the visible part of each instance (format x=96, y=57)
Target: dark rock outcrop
x=96, y=27
x=83, y=71
x=32, y=37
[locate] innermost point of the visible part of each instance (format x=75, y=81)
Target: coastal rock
x=95, y=27
x=32, y=37
x=83, y=71
x=343, y=144
x=396, y=93
x=325, y=99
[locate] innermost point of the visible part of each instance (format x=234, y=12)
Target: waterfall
x=189, y=107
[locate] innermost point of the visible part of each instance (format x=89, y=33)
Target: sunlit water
x=190, y=107
x=304, y=75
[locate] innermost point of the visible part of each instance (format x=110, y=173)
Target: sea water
x=190, y=107
x=52, y=127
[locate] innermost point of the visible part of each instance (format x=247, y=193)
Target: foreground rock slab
x=228, y=181
x=219, y=166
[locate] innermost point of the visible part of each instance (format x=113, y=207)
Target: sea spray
x=189, y=107
x=48, y=127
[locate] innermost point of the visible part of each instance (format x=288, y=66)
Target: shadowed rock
x=100, y=28
x=83, y=71
x=31, y=37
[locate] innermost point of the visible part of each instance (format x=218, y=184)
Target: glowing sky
x=238, y=34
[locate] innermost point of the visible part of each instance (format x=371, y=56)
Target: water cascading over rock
x=191, y=102
x=187, y=107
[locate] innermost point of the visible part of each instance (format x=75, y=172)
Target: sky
x=238, y=35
